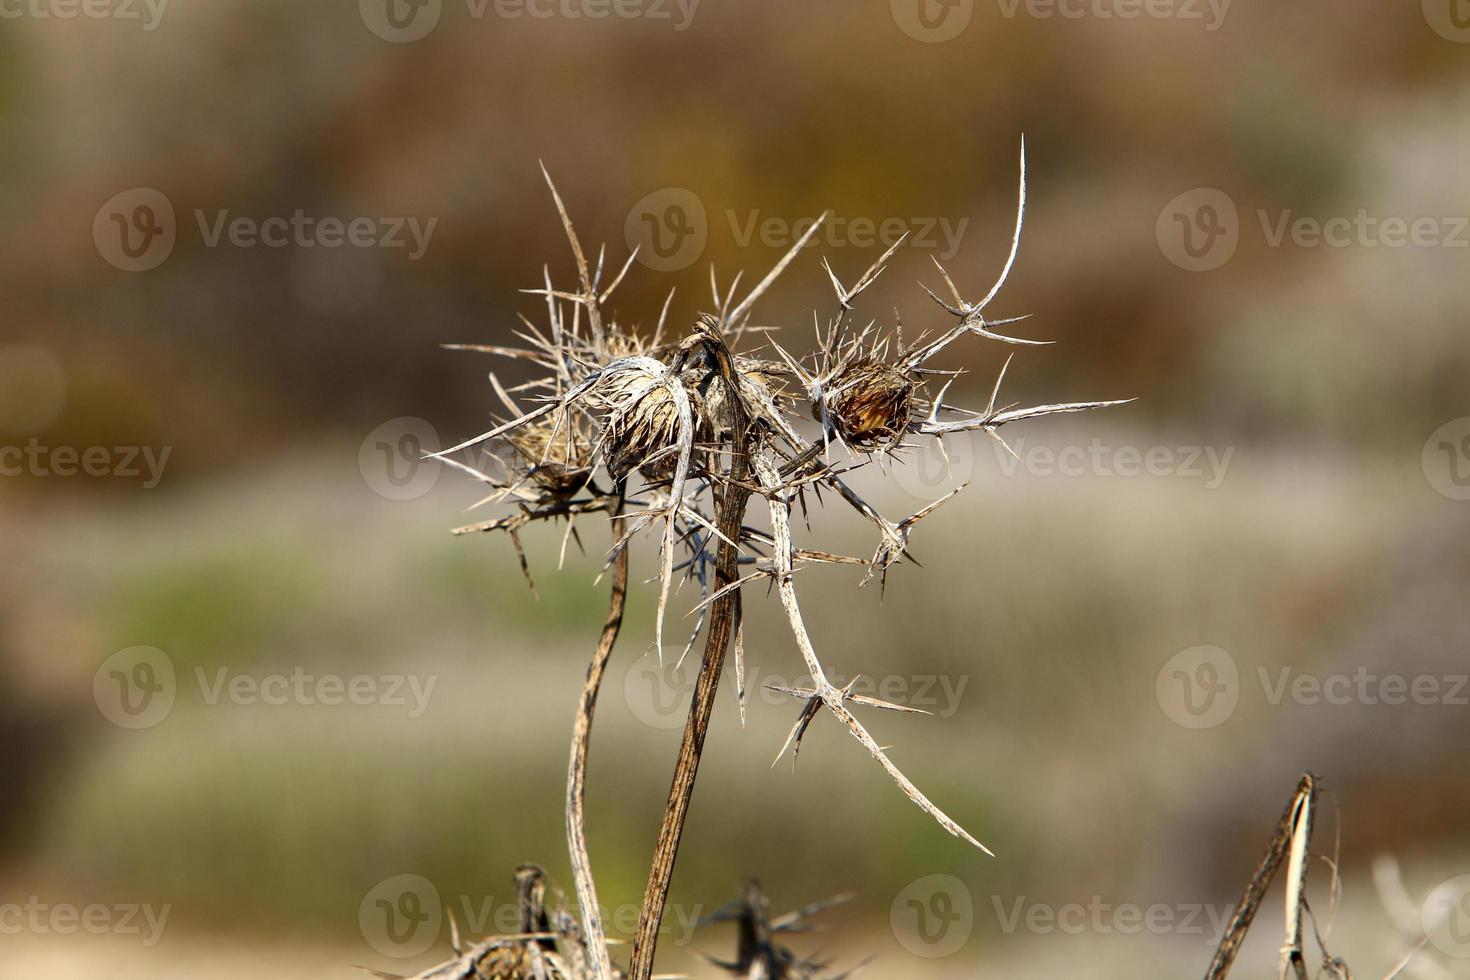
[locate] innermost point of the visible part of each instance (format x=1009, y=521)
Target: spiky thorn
x=845, y=296
x=588, y=297
x=993, y=418
x=813, y=699
x=831, y=697
x=733, y=317
x=972, y=315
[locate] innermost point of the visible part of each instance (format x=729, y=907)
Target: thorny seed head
x=555, y=451
x=869, y=404
x=640, y=418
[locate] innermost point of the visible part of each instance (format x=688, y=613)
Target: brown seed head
x=641, y=417
x=869, y=404
x=556, y=451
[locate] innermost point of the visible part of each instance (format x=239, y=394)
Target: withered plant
x=675, y=433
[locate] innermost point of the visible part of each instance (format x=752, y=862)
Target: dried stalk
x=1293, y=832
x=592, y=929
x=730, y=508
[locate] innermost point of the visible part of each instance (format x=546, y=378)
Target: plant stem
x=730, y=517
x=577, y=769
x=1255, y=889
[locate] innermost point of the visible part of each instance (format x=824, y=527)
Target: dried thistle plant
x=674, y=434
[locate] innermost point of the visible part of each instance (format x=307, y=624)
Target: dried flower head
x=556, y=451
x=642, y=408
x=869, y=404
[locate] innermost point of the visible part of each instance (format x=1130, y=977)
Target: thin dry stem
x=592, y=930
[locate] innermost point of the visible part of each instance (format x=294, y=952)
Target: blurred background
x=263, y=716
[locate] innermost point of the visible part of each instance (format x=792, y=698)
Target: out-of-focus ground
x=1133, y=639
